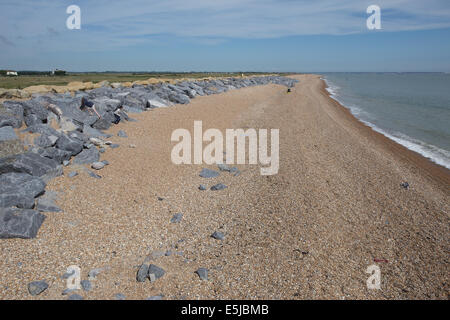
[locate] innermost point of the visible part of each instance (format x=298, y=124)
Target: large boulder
x=179, y=98
x=30, y=163
x=74, y=146
x=19, y=223
x=7, y=133
x=20, y=189
x=91, y=132
x=10, y=120
x=35, y=107
x=102, y=124
x=14, y=108
x=56, y=154
x=87, y=156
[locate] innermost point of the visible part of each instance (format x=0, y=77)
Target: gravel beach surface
x=335, y=207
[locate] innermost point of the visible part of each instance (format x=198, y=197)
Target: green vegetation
x=31, y=78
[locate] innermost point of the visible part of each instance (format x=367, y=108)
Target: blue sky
x=225, y=35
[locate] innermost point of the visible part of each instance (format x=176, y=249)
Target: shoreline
x=434, y=170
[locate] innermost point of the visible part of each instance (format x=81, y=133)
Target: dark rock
x=102, y=124
x=208, y=173
x=75, y=297
x=142, y=273
x=219, y=186
x=31, y=120
x=218, y=235
x=405, y=185
x=45, y=204
x=114, y=145
x=91, y=132
x=33, y=107
x=106, y=162
x=43, y=141
x=37, y=287
x=42, y=129
x=202, y=187
x=176, y=218
x=9, y=120
x=202, y=273
x=72, y=174
x=19, y=223
x=179, y=98
x=122, y=134
x=7, y=133
x=74, y=146
x=87, y=156
x=20, y=189
x=31, y=163
x=56, y=154
x=155, y=272
x=86, y=285
x=223, y=167
x=94, y=175
x=120, y=296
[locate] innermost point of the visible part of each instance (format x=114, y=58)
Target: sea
x=412, y=109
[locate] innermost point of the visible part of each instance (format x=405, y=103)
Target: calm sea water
x=412, y=109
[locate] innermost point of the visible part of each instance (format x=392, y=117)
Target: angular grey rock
x=56, y=154
x=219, y=186
x=45, y=204
x=87, y=156
x=34, y=107
x=43, y=141
x=72, y=174
x=154, y=298
x=202, y=187
x=218, y=235
x=142, y=273
x=74, y=146
x=66, y=163
x=75, y=297
x=101, y=150
x=37, y=287
x=223, y=167
x=42, y=129
x=179, y=98
x=94, y=133
x=102, y=124
x=31, y=120
x=114, y=145
x=20, y=189
x=155, y=272
x=202, y=273
x=86, y=285
x=208, y=173
x=122, y=134
x=95, y=272
x=10, y=120
x=19, y=223
x=97, y=165
x=106, y=162
x=52, y=173
x=7, y=133
x=67, y=291
x=94, y=175
x=176, y=218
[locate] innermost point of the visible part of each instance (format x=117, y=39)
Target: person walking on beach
x=90, y=105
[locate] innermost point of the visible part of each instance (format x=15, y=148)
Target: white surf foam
x=429, y=151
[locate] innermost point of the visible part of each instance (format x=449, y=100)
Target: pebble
x=72, y=174
x=122, y=134
x=208, y=173
x=176, y=218
x=142, y=273
x=218, y=235
x=75, y=297
x=66, y=163
x=113, y=146
x=202, y=273
x=120, y=296
x=223, y=167
x=202, y=187
x=86, y=285
x=219, y=186
x=97, y=165
x=106, y=162
x=37, y=287
x=95, y=272
x=94, y=175
x=405, y=185
x=155, y=298
x=155, y=272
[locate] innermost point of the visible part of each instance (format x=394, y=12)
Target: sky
x=226, y=35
